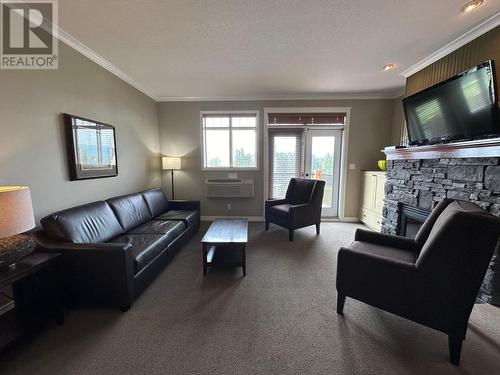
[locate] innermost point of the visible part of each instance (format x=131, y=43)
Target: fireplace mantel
x=469, y=149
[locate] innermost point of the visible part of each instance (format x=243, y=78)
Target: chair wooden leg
x=290, y=234
x=340, y=303
x=318, y=228
x=455, y=348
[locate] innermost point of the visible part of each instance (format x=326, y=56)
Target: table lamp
x=16, y=217
x=171, y=163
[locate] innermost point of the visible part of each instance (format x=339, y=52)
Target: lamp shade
x=16, y=210
x=171, y=162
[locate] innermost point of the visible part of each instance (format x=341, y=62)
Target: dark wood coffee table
x=225, y=244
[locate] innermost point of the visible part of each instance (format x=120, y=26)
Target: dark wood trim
x=75, y=170
x=469, y=149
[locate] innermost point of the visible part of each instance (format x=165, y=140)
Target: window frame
x=256, y=113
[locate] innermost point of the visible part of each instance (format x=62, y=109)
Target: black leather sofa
x=111, y=250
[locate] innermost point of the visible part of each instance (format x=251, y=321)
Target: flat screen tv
x=463, y=107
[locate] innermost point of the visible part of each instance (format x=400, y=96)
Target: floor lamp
x=171, y=163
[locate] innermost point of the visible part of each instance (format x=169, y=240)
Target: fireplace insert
x=410, y=220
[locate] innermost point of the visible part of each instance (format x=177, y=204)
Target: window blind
x=306, y=118
x=285, y=159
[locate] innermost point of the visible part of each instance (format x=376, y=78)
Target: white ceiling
x=266, y=48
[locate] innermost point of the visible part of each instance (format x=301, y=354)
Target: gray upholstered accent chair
x=300, y=208
x=432, y=280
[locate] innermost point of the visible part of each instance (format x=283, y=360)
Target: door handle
x=307, y=174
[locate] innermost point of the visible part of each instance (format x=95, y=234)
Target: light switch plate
x=352, y=166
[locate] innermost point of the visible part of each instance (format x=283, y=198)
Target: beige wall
x=370, y=131
x=32, y=144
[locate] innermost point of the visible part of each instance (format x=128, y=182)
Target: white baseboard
x=249, y=218
x=350, y=219
x=330, y=220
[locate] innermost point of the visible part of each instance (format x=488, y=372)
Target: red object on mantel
x=483, y=148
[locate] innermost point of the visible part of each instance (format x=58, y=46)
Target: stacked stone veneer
x=423, y=183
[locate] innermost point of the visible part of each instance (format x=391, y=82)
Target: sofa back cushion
x=131, y=210
x=90, y=223
x=156, y=201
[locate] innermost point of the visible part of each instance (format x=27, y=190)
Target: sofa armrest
x=94, y=272
x=275, y=202
x=184, y=205
x=49, y=246
x=386, y=240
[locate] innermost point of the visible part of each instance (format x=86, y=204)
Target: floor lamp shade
x=171, y=162
x=16, y=210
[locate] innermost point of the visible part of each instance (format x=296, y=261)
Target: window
x=229, y=140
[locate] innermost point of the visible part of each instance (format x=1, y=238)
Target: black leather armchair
x=432, y=280
x=300, y=208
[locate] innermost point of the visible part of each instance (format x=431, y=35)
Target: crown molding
x=74, y=43
x=475, y=32
x=347, y=96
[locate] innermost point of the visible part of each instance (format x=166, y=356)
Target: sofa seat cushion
x=145, y=247
x=386, y=252
x=187, y=217
x=93, y=222
x=131, y=210
x=171, y=228
x=280, y=210
x=156, y=201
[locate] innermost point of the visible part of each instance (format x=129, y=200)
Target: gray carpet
x=280, y=319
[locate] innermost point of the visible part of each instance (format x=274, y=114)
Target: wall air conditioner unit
x=229, y=188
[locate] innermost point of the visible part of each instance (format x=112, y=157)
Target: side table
x=30, y=295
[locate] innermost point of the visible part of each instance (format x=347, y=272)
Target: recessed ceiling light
x=388, y=66
x=471, y=5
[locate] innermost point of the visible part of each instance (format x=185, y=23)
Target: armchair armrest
x=386, y=240
x=275, y=202
x=184, y=205
x=298, y=208
x=374, y=279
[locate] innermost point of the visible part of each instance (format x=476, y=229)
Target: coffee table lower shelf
x=224, y=256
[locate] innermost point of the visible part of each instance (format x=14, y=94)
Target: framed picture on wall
x=91, y=148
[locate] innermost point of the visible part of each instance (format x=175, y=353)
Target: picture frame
x=91, y=148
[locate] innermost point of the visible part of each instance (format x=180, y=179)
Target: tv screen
x=461, y=108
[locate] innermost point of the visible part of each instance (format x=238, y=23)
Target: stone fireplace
x=421, y=184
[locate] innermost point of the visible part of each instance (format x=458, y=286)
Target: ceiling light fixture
x=388, y=66
x=472, y=5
